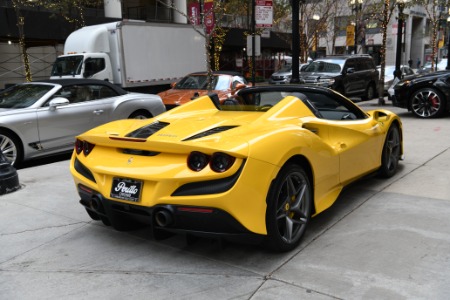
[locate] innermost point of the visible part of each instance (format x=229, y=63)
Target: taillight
x=83, y=146
x=197, y=161
x=220, y=162
x=78, y=146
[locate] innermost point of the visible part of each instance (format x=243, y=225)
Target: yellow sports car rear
x=257, y=171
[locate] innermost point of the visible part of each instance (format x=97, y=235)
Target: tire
x=289, y=206
x=140, y=114
x=11, y=147
x=370, y=92
x=428, y=103
x=391, y=153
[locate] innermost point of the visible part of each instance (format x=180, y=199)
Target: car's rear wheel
x=289, y=206
x=391, y=153
x=428, y=103
x=11, y=147
x=140, y=114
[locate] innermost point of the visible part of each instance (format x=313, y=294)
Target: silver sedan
x=42, y=118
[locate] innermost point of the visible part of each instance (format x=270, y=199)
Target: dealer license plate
x=126, y=189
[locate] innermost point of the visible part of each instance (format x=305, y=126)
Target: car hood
x=178, y=97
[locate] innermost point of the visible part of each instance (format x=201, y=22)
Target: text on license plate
x=126, y=189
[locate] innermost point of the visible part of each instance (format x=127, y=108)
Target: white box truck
x=132, y=54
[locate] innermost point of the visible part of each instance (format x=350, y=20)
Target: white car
x=42, y=118
x=390, y=81
x=407, y=72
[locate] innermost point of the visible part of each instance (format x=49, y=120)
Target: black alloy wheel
x=428, y=103
x=289, y=206
x=391, y=153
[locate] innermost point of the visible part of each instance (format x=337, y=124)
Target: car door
x=352, y=78
x=356, y=138
x=58, y=126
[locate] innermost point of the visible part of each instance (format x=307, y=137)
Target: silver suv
x=284, y=75
x=350, y=75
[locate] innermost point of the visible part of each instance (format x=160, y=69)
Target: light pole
x=295, y=78
x=398, y=52
x=356, y=6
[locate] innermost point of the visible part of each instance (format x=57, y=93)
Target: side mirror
x=58, y=101
x=350, y=70
x=380, y=116
x=173, y=84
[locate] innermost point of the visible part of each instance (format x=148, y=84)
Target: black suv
x=350, y=75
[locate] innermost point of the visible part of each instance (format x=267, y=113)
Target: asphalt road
x=382, y=239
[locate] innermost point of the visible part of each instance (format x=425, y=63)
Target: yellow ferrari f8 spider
x=257, y=166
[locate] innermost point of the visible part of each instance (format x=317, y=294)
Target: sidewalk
x=382, y=239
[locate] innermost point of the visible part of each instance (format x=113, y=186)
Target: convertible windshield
x=200, y=82
x=21, y=96
x=68, y=65
x=323, y=66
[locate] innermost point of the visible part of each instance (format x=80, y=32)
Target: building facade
x=44, y=33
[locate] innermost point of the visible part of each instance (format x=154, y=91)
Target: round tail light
x=221, y=162
x=197, y=161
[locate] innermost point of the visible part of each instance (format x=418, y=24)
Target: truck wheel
x=140, y=114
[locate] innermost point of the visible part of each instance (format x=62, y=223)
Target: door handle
x=98, y=112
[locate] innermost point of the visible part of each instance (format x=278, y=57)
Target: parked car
x=258, y=171
x=352, y=75
x=42, y=118
x=440, y=66
x=284, y=75
x=426, y=96
x=390, y=80
x=194, y=85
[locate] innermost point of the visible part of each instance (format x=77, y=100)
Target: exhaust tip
x=164, y=218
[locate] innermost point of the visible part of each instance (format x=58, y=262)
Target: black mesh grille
x=209, y=132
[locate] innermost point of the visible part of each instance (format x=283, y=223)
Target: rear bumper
x=199, y=221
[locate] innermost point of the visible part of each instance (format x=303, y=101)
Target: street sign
x=264, y=13
x=350, y=40
x=257, y=45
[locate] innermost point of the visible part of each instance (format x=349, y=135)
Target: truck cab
x=83, y=65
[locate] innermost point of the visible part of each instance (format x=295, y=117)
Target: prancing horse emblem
x=130, y=160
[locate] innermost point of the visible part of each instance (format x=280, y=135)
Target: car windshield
x=286, y=68
x=23, y=95
x=69, y=65
x=200, y=82
x=323, y=66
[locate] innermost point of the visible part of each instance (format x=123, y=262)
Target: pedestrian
x=418, y=63
x=410, y=62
